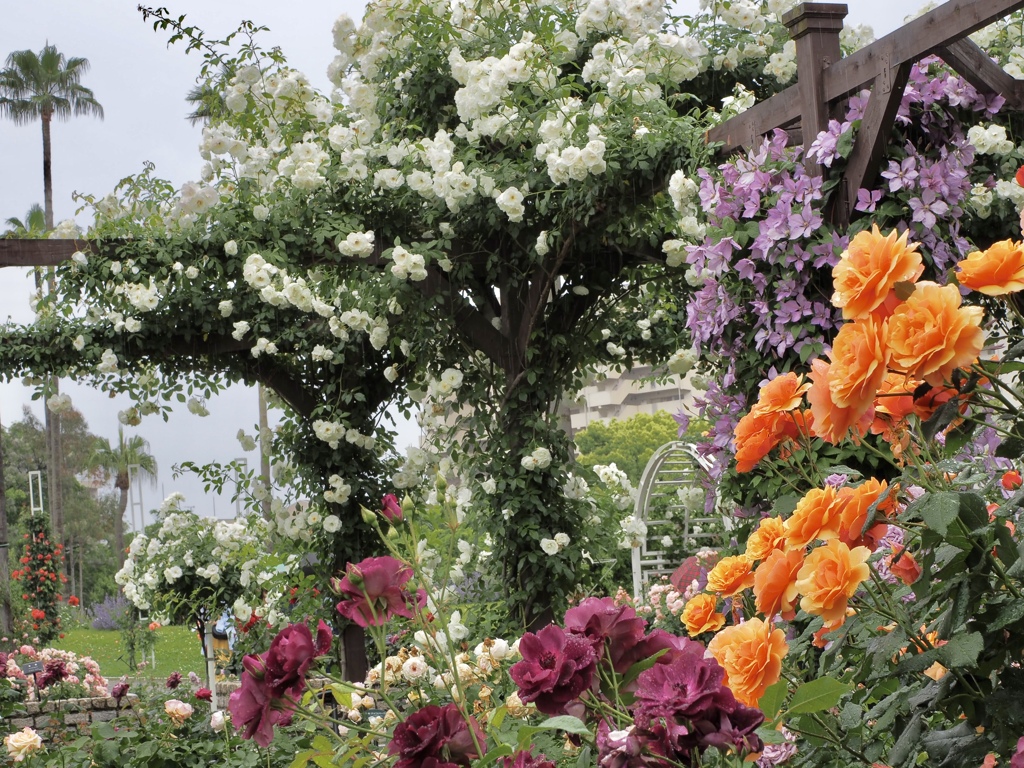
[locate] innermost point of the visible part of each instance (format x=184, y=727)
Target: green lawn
x=177, y=650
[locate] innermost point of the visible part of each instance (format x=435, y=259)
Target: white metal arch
x=673, y=466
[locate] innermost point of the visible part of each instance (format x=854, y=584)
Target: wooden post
x=815, y=28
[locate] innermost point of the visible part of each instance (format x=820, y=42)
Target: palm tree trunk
x=6, y=620
x=264, y=449
x=47, y=177
x=119, y=525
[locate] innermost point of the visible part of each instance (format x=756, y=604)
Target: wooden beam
x=937, y=29
x=815, y=28
x=39, y=253
x=975, y=66
x=872, y=139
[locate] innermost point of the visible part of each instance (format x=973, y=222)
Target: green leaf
x=566, y=723
x=939, y=511
x=1011, y=612
x=641, y=666
x=817, y=695
x=962, y=650
x=773, y=698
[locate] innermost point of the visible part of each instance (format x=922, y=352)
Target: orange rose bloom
x=859, y=358
x=751, y=655
x=995, y=272
x=700, y=616
x=769, y=421
x=829, y=577
x=816, y=517
x=894, y=401
x=782, y=394
x=905, y=567
x=931, y=335
x=855, y=503
x=869, y=268
x=730, y=575
x=830, y=421
x=755, y=436
x=769, y=536
x=775, y=583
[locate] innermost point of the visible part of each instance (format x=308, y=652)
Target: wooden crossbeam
x=938, y=29
x=974, y=65
x=39, y=253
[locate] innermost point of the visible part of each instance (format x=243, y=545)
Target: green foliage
x=627, y=443
x=40, y=577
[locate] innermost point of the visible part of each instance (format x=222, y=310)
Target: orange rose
x=782, y=394
x=700, y=616
x=859, y=358
x=995, y=272
x=904, y=566
x=755, y=435
x=816, y=517
x=769, y=536
x=869, y=269
x=751, y=655
x=894, y=401
x=831, y=421
x=775, y=583
x=931, y=335
x=829, y=577
x=769, y=420
x=730, y=575
x=855, y=503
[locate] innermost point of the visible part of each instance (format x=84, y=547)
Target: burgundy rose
x=557, y=667
x=291, y=653
x=53, y=672
x=174, y=680
x=374, y=591
x=3, y=665
x=524, y=758
x=204, y=694
x=391, y=509
x=119, y=691
x=272, y=682
x=437, y=737
x=613, y=630
x=688, y=687
x=255, y=712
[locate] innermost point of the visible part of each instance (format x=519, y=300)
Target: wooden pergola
x=825, y=81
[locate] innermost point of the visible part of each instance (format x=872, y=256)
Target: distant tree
x=207, y=98
x=627, y=443
x=117, y=461
x=42, y=87
x=33, y=224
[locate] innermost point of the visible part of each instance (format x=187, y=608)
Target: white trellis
x=674, y=466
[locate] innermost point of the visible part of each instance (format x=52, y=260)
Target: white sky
x=142, y=84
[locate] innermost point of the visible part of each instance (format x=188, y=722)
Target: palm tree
x=207, y=98
x=117, y=461
x=34, y=223
x=42, y=87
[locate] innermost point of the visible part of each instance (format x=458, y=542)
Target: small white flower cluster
x=632, y=532
x=108, y=362
x=575, y=488
x=511, y=203
x=248, y=443
x=60, y=403
x=991, y=140
x=623, y=492
x=358, y=244
x=193, y=201
x=408, y=266
x=782, y=64
x=197, y=406
x=540, y=458
x=692, y=498
x=555, y=545
x=144, y=298
x=449, y=382
x=681, y=361
x=340, y=490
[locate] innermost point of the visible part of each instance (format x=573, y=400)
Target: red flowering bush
x=41, y=576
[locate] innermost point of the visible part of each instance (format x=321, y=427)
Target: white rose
x=217, y=721
x=550, y=546
x=332, y=524
x=226, y=307
x=231, y=248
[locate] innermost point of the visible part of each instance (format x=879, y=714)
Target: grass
x=177, y=650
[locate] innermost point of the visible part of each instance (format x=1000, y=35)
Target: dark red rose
x=437, y=737
x=119, y=691
x=255, y=712
x=204, y=694
x=613, y=630
x=374, y=591
x=557, y=668
x=525, y=759
x=173, y=680
x=290, y=656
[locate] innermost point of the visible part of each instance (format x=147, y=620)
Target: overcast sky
x=142, y=84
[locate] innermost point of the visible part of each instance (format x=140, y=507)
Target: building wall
x=614, y=395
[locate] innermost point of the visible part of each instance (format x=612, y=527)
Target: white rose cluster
x=540, y=458
x=59, y=403
x=358, y=244
x=991, y=140
x=339, y=492
x=681, y=361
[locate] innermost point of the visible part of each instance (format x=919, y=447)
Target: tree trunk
x=264, y=450
x=6, y=621
x=55, y=467
x=47, y=177
x=119, y=523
